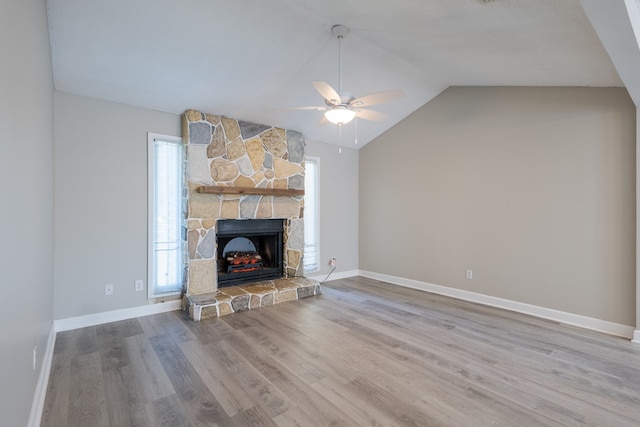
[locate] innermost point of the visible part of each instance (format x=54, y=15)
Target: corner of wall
x=40, y=394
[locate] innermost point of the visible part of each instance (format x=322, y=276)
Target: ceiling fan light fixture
x=340, y=115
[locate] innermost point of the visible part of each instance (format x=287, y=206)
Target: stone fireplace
x=239, y=170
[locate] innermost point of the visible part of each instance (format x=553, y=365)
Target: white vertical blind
x=166, y=260
x=311, y=215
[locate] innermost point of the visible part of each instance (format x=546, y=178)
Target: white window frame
x=152, y=292
x=315, y=216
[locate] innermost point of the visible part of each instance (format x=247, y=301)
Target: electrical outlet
x=333, y=262
x=469, y=274
x=139, y=285
x=108, y=289
x=35, y=357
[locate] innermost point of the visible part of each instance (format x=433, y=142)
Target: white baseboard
x=636, y=336
x=43, y=381
x=115, y=315
x=334, y=275
x=586, y=322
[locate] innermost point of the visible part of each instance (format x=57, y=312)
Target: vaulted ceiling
x=251, y=59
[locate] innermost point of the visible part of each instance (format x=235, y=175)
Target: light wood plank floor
x=363, y=353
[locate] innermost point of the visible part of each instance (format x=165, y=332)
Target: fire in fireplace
x=249, y=250
x=239, y=261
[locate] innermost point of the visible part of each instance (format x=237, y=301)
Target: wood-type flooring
x=364, y=353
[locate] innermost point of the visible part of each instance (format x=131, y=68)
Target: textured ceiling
x=252, y=59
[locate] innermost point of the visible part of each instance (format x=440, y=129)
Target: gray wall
x=531, y=188
x=338, y=206
x=26, y=210
x=101, y=202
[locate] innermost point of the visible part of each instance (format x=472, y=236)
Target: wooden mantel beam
x=282, y=192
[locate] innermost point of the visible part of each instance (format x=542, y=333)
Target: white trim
x=43, y=381
x=594, y=324
x=115, y=315
x=151, y=172
x=636, y=336
x=316, y=227
x=151, y=138
x=334, y=275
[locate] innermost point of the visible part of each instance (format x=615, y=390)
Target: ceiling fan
x=341, y=106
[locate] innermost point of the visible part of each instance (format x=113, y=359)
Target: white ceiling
x=251, y=59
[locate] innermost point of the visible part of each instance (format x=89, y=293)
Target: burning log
x=238, y=262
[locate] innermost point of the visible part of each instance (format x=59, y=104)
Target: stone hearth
x=248, y=297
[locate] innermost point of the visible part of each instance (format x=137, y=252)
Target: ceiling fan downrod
x=339, y=31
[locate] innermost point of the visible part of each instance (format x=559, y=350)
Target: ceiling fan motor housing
x=345, y=99
x=339, y=31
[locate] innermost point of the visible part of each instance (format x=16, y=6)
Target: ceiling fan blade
x=377, y=98
x=327, y=92
x=374, y=116
x=306, y=108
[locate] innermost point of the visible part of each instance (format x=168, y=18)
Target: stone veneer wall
x=233, y=153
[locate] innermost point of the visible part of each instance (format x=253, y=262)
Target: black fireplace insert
x=249, y=250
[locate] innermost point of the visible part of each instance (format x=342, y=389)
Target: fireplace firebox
x=249, y=250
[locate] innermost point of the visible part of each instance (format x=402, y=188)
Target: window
x=311, y=215
x=166, y=262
